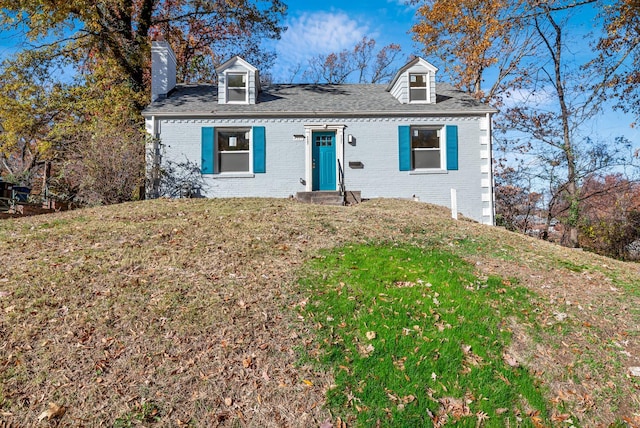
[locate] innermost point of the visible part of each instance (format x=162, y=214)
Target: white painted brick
x=376, y=147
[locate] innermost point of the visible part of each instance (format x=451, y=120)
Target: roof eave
x=317, y=114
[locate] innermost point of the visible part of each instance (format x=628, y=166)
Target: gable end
x=415, y=83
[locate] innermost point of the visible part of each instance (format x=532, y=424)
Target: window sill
x=428, y=171
x=223, y=175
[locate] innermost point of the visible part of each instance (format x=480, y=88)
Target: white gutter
x=248, y=114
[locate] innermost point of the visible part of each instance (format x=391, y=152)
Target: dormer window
x=414, y=83
x=237, y=87
x=418, y=88
x=238, y=83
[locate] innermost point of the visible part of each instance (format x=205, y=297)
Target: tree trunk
x=571, y=186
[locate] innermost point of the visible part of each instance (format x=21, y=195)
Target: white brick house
x=414, y=138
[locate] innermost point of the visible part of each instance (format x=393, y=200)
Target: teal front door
x=324, y=161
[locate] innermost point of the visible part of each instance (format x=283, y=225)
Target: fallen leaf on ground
x=326, y=424
x=510, y=360
x=53, y=411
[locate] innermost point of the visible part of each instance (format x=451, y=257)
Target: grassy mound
x=186, y=313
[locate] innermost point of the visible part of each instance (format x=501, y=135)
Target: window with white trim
x=418, y=87
x=233, y=150
x=237, y=87
x=426, y=147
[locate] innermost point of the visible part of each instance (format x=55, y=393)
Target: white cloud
x=312, y=34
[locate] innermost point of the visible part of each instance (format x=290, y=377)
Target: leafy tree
x=470, y=37
x=120, y=30
x=611, y=216
x=90, y=123
x=30, y=102
x=517, y=205
x=546, y=96
x=620, y=46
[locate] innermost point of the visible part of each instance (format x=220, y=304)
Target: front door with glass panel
x=324, y=160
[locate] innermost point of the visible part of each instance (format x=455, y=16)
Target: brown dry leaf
x=400, y=363
x=371, y=335
x=326, y=424
x=454, y=406
x=510, y=360
x=405, y=284
x=408, y=399
x=537, y=421
x=53, y=411
x=481, y=417
x=365, y=351
x=561, y=417
x=340, y=424
x=307, y=382
x=246, y=363
x=228, y=401
x=501, y=410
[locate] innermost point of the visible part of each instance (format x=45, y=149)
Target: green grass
x=405, y=328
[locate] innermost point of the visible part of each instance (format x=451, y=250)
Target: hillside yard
x=228, y=313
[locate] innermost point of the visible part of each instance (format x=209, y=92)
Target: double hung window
x=237, y=87
x=232, y=150
x=418, y=87
x=426, y=148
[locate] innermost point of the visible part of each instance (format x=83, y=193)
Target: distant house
x=414, y=138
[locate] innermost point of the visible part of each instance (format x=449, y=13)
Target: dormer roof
x=238, y=66
x=235, y=61
x=400, y=85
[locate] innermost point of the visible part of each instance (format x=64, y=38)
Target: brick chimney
x=163, y=69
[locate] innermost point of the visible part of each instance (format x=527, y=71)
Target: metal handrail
x=341, y=179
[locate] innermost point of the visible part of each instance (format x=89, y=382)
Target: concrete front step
x=321, y=198
x=329, y=198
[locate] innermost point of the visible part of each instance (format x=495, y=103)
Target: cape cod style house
x=414, y=138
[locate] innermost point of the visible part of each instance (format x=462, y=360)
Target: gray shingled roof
x=312, y=101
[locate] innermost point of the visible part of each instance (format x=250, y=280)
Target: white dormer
x=415, y=83
x=238, y=82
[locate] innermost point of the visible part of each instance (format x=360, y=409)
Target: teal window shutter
x=404, y=147
x=259, y=150
x=208, y=155
x=452, y=147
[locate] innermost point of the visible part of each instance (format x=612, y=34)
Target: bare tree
x=547, y=95
x=370, y=66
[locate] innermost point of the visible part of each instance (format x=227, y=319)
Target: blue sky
x=325, y=26
x=321, y=27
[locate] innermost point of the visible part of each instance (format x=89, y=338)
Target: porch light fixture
x=350, y=139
